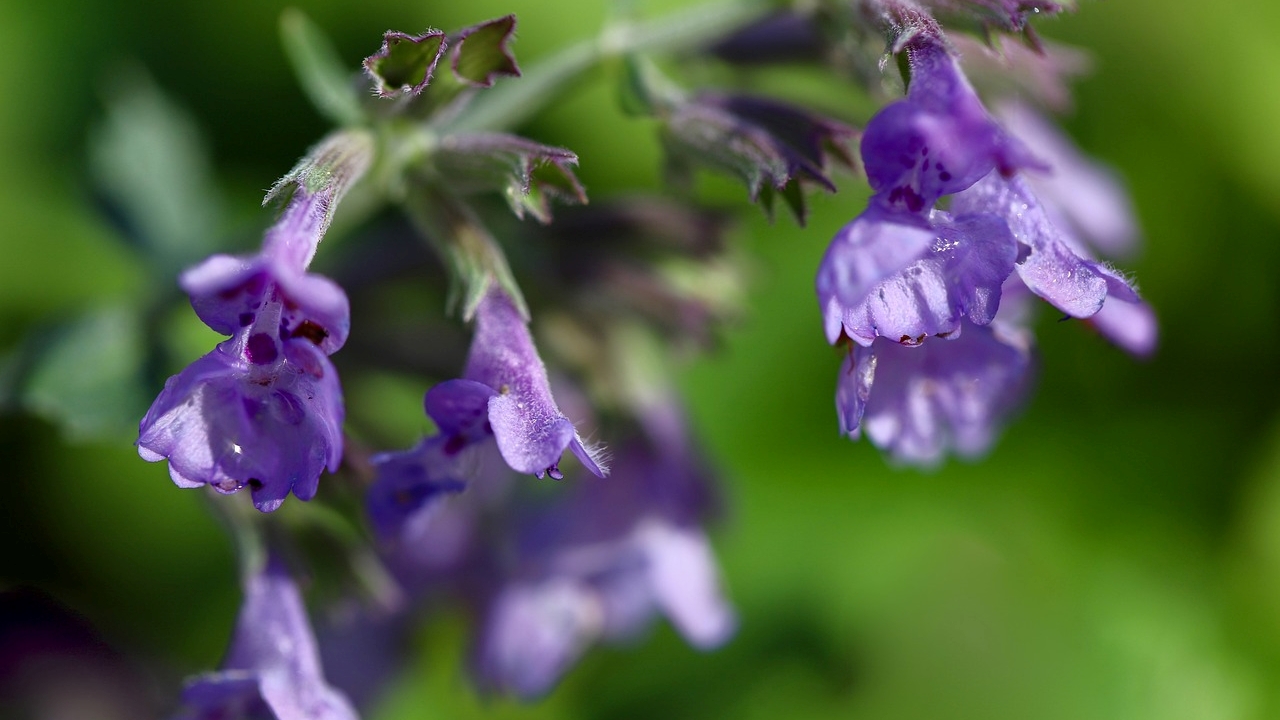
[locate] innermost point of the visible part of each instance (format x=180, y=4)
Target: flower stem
x=511, y=103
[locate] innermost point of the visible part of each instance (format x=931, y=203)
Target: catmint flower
x=905, y=273
x=272, y=669
x=440, y=465
x=599, y=564
x=936, y=141
x=948, y=394
x=264, y=408
x=530, y=430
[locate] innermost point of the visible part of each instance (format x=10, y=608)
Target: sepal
x=479, y=54
x=528, y=174
x=772, y=147
x=405, y=63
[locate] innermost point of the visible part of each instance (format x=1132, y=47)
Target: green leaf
x=148, y=157
x=87, y=375
x=319, y=69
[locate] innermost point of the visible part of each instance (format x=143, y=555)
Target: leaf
x=320, y=71
x=86, y=376
x=770, y=146
x=149, y=160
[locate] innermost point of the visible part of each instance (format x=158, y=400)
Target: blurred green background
x=1116, y=556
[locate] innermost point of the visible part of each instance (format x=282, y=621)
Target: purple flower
x=411, y=481
x=264, y=409
x=599, y=564
x=530, y=430
x=904, y=273
x=952, y=394
x=939, y=139
x=272, y=669
x=936, y=141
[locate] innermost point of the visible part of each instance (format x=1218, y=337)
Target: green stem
x=513, y=102
x=474, y=256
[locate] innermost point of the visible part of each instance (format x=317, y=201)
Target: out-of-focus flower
x=272, y=670
x=440, y=465
x=54, y=665
x=600, y=564
x=264, y=409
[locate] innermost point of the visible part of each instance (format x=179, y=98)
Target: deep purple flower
x=530, y=430
x=272, y=669
x=937, y=140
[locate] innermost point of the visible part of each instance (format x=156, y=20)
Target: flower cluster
x=971, y=214
x=937, y=360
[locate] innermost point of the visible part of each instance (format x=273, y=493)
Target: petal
x=960, y=277
x=853, y=387
x=219, y=426
x=531, y=431
x=460, y=407
x=533, y=633
x=531, y=438
x=945, y=395
x=316, y=309
x=686, y=583
x=1130, y=325
x=227, y=291
x=1050, y=269
x=875, y=246
x=1087, y=194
